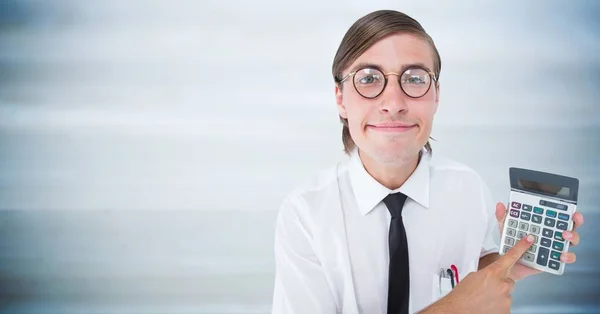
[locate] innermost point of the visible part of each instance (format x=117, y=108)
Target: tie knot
x=394, y=203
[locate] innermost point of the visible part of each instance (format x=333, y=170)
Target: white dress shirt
x=331, y=239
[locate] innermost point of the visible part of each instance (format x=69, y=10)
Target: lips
x=391, y=127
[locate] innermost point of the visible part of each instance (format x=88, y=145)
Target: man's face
x=392, y=127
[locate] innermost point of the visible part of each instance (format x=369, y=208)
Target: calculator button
x=509, y=241
x=512, y=223
x=542, y=258
x=549, y=222
x=558, y=236
x=525, y=216
x=529, y=257
x=562, y=216
x=514, y=213
x=521, y=234
x=506, y=248
x=511, y=232
x=532, y=249
x=554, y=265
x=546, y=242
x=515, y=205
x=535, y=229
x=523, y=226
x=527, y=207
x=547, y=233
x=535, y=238
x=562, y=225
x=551, y=213
x=538, y=210
x=557, y=246
x=537, y=219
x=555, y=255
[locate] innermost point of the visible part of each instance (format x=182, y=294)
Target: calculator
x=541, y=204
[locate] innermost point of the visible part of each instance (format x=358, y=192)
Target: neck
x=390, y=175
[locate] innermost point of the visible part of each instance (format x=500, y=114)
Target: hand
x=487, y=290
x=520, y=271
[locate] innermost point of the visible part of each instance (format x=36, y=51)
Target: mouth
x=391, y=127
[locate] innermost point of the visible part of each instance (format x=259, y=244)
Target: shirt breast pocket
x=442, y=284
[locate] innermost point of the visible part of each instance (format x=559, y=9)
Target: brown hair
x=363, y=34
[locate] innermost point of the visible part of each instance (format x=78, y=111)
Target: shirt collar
x=368, y=192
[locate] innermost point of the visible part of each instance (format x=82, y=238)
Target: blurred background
x=145, y=146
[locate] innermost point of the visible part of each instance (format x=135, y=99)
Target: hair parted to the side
x=363, y=34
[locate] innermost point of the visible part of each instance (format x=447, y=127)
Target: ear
x=340, y=103
x=437, y=95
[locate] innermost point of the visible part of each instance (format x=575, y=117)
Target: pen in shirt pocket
x=451, y=275
x=455, y=271
x=446, y=273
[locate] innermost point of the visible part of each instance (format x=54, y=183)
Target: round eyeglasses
x=370, y=82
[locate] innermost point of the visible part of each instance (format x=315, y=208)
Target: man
x=372, y=234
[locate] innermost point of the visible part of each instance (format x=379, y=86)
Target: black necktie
x=398, y=289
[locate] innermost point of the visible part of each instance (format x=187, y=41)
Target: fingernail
x=566, y=235
x=563, y=258
x=530, y=238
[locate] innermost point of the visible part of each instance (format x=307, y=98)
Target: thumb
x=500, y=215
x=506, y=262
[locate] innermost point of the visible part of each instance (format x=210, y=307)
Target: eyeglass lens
x=369, y=82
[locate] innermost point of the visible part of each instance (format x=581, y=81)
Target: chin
x=389, y=153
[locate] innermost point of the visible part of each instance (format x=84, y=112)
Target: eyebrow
x=376, y=66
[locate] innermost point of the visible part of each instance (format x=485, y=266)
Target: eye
x=368, y=79
x=417, y=80
x=415, y=77
x=369, y=76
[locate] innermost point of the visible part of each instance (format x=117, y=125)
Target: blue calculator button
x=542, y=258
x=562, y=225
x=554, y=255
x=538, y=210
x=546, y=242
x=558, y=236
x=554, y=265
x=562, y=216
x=551, y=213
x=549, y=222
x=558, y=246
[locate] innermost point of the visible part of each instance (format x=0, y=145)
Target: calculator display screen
x=544, y=188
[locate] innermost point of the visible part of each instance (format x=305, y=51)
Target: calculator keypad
x=545, y=224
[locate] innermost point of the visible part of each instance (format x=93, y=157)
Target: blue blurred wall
x=145, y=146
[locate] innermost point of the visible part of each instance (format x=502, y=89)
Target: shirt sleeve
x=491, y=240
x=300, y=282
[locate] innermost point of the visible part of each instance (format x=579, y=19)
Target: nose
x=393, y=98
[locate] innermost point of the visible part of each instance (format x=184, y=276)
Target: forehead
x=395, y=52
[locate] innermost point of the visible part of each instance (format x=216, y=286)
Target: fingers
x=568, y=257
x=500, y=210
x=514, y=254
x=510, y=285
x=578, y=220
x=500, y=215
x=572, y=236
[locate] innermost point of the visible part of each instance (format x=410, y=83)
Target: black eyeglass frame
x=432, y=77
